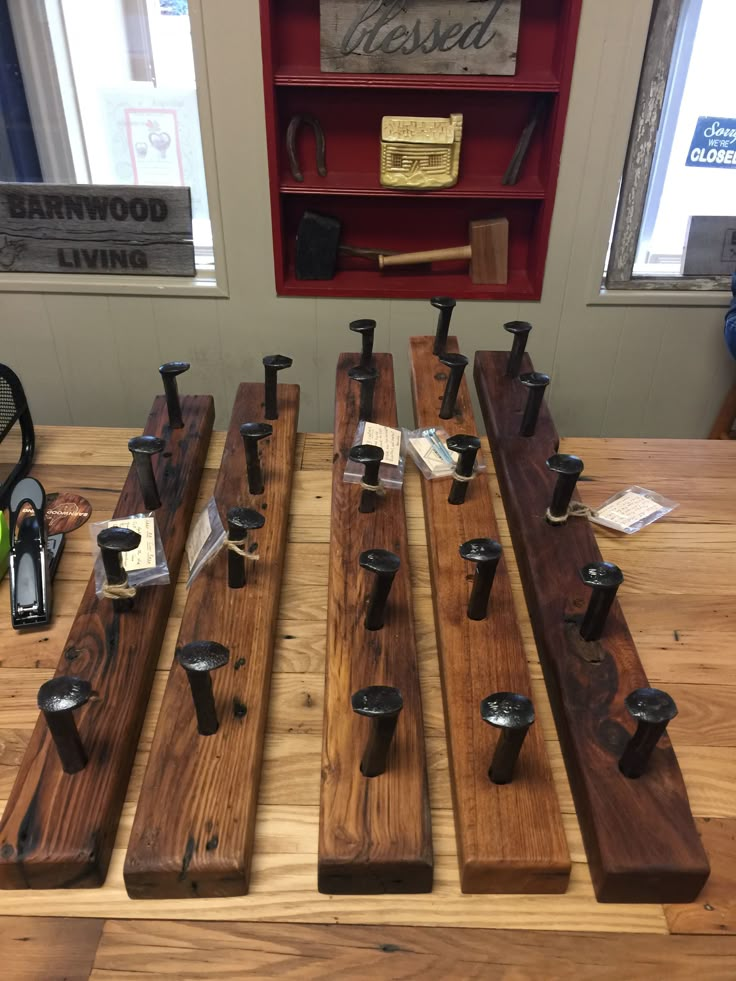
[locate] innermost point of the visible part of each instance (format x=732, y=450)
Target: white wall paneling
x=618, y=367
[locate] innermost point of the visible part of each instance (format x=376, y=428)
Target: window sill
x=205, y=284
x=663, y=295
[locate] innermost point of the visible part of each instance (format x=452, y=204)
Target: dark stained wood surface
x=510, y=838
x=58, y=829
x=201, y=842
x=640, y=837
x=374, y=834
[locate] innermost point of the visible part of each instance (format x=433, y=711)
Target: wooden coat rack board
x=510, y=837
x=200, y=842
x=374, y=832
x=639, y=834
x=58, y=829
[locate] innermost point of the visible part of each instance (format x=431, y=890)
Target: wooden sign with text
x=96, y=229
x=473, y=37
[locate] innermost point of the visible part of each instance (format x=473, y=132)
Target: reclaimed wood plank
x=640, y=836
x=201, y=843
x=101, y=228
x=474, y=39
x=58, y=829
x=374, y=832
x=509, y=837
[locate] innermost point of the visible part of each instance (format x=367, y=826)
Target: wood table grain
x=679, y=602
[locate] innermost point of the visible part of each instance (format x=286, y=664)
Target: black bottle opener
x=30, y=574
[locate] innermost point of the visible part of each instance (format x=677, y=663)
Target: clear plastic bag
x=392, y=442
x=146, y=565
x=632, y=509
x=427, y=449
x=206, y=538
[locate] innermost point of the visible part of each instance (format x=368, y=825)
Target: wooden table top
x=678, y=597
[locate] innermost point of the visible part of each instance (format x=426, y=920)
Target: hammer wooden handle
x=416, y=258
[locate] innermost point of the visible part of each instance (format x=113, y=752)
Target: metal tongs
x=30, y=573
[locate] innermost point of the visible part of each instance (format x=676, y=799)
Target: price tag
x=144, y=557
x=429, y=454
x=198, y=535
x=629, y=509
x=632, y=509
x=388, y=439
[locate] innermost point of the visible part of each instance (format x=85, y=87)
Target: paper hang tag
x=144, y=557
x=198, y=536
x=632, y=509
x=629, y=509
x=423, y=446
x=388, y=439
x=205, y=541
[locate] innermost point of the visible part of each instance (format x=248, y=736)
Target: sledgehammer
x=488, y=252
x=318, y=246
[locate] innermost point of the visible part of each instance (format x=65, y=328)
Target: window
x=681, y=161
x=111, y=97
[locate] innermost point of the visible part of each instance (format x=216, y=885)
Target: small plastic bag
x=393, y=444
x=632, y=509
x=427, y=449
x=206, y=538
x=146, y=565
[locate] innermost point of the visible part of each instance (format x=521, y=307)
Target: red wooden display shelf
x=349, y=107
x=368, y=186
x=436, y=281
x=531, y=81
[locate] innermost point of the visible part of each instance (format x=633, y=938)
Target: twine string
x=123, y=591
x=373, y=488
x=575, y=510
x=239, y=548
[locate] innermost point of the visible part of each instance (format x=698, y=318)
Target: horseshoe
x=319, y=139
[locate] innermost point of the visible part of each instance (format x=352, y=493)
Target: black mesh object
x=14, y=409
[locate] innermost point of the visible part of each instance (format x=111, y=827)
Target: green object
x=4, y=545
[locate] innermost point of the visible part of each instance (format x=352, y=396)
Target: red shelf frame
x=540, y=81
x=349, y=107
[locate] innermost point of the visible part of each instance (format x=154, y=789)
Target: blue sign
x=714, y=143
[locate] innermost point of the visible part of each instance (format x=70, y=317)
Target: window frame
x=207, y=281
x=639, y=170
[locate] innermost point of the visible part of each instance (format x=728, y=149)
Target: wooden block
x=510, y=837
x=200, y=843
x=489, y=243
x=639, y=835
x=58, y=829
x=374, y=834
